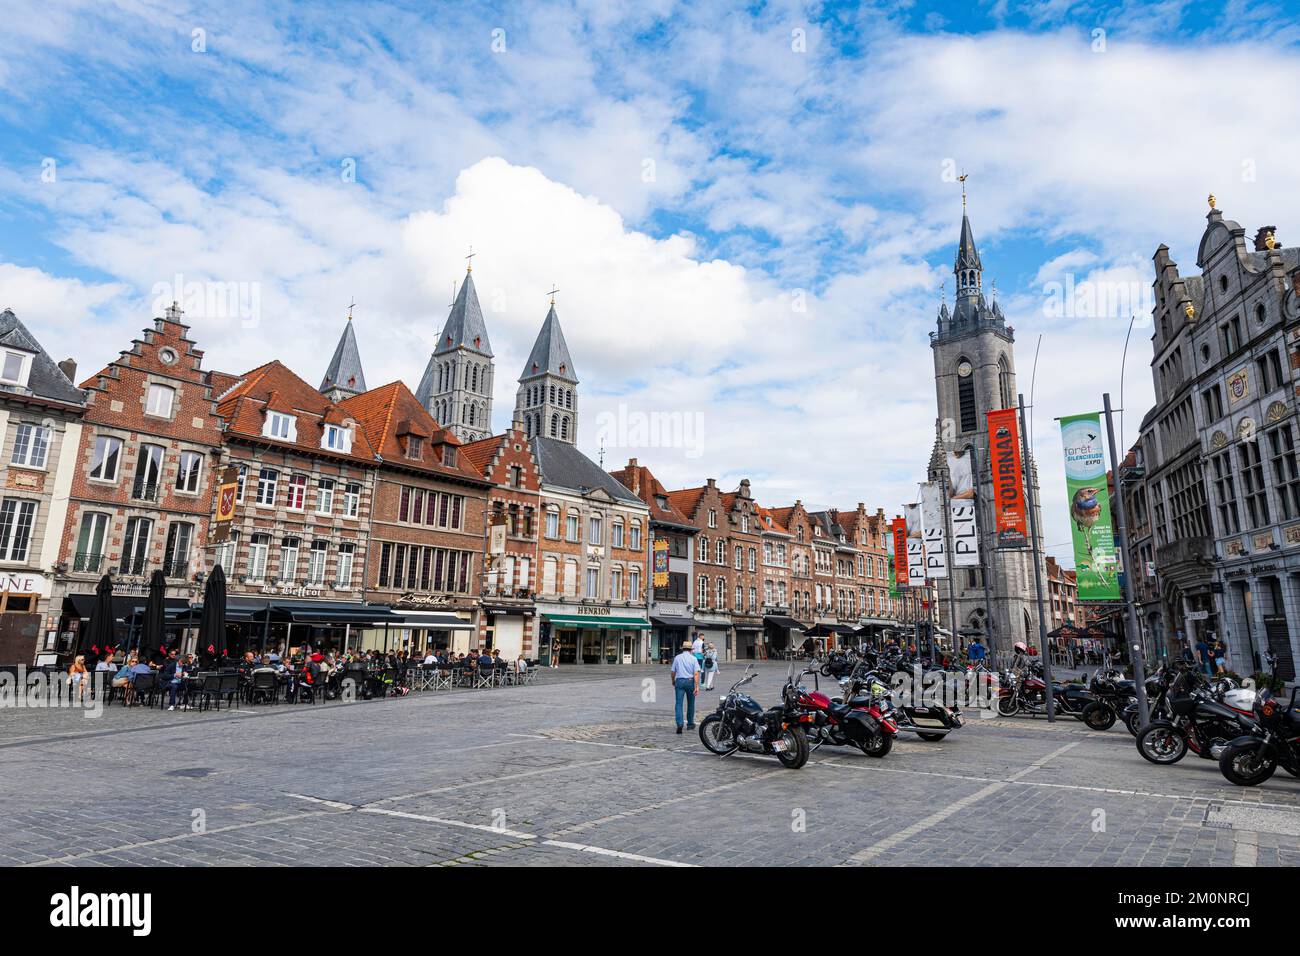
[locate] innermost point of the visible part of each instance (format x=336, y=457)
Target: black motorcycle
x=1274, y=741
x=1028, y=694
x=1115, y=696
x=930, y=721
x=741, y=723
x=838, y=664
x=1200, y=721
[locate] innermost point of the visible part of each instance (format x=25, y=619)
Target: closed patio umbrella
x=100, y=636
x=212, y=621
x=152, y=637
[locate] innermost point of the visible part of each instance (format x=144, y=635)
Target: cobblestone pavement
x=583, y=769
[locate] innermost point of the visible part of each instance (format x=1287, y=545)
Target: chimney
x=631, y=463
x=69, y=368
x=712, y=483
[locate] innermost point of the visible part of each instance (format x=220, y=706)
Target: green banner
x=1089, y=498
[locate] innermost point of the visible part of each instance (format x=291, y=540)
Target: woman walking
x=710, y=666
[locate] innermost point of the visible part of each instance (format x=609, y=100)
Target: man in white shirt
x=686, y=685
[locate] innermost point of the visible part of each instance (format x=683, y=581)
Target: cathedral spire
x=547, y=398
x=344, y=377
x=456, y=388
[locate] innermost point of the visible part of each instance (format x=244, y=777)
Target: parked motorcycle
x=862, y=722
x=1273, y=741
x=838, y=664
x=930, y=722
x=1200, y=720
x=741, y=723
x=1114, y=695
x=1028, y=694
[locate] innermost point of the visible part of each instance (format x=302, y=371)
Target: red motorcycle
x=862, y=722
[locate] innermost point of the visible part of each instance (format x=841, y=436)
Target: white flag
x=961, y=506
x=936, y=553
x=915, y=547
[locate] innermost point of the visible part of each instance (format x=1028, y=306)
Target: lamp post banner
x=961, y=507
x=932, y=524
x=1088, y=494
x=1008, y=479
x=915, y=546
x=899, y=528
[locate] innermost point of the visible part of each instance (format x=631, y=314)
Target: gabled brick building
x=508, y=618
x=142, y=488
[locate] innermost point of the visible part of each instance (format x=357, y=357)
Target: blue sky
x=750, y=210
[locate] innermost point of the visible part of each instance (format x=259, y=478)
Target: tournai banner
x=961, y=510
x=661, y=563
x=1008, y=479
x=899, y=528
x=1087, y=490
x=936, y=554
x=915, y=547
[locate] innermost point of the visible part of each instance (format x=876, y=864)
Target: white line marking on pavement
x=511, y=776
x=599, y=743
x=635, y=857
x=934, y=819
x=334, y=804
x=450, y=823
x=175, y=839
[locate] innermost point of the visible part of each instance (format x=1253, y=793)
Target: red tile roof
x=387, y=413
x=638, y=479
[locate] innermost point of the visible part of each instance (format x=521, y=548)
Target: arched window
x=555, y=424
x=473, y=379
x=552, y=394
x=568, y=398
x=1004, y=382
x=564, y=427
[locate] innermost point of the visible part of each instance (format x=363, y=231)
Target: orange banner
x=1008, y=479
x=899, y=527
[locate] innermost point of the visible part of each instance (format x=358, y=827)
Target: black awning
x=124, y=606
x=824, y=630
x=780, y=620
x=328, y=612
x=669, y=620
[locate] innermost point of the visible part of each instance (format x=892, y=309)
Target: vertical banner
x=961, y=508
x=1008, y=479
x=661, y=563
x=1087, y=490
x=932, y=525
x=899, y=527
x=227, y=495
x=915, y=547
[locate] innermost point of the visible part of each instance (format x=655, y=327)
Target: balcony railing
x=130, y=566
x=176, y=568
x=87, y=561
x=145, y=491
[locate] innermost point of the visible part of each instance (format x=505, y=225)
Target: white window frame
x=157, y=389
x=107, y=442
x=24, y=367
x=281, y=426
x=37, y=440
x=198, y=472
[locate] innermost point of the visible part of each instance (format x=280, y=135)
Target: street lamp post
x=1031, y=502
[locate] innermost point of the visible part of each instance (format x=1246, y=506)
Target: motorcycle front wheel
x=1161, y=744
x=1099, y=716
x=826, y=670
x=715, y=737
x=796, y=753
x=1245, y=767
x=1132, y=723
x=1008, y=706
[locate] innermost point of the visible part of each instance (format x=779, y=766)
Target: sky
x=750, y=211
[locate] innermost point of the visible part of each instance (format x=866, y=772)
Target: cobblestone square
x=579, y=769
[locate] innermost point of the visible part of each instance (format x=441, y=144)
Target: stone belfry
x=457, y=384
x=547, y=400
x=975, y=373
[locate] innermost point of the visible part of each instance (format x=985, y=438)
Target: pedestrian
x=975, y=651
x=1203, y=652
x=697, y=648
x=686, y=685
x=1220, y=656
x=710, y=666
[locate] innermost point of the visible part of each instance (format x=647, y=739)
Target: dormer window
x=15, y=368
x=159, y=401
x=449, y=455
x=281, y=426
x=414, y=447
x=337, y=438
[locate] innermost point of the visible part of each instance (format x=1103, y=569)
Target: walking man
x=686, y=685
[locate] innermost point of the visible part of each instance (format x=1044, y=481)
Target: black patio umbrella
x=212, y=622
x=152, y=636
x=99, y=637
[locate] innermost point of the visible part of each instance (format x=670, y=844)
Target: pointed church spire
x=456, y=388
x=547, y=398
x=344, y=377
x=465, y=327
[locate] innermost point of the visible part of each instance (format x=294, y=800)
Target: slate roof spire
x=465, y=327
x=550, y=354
x=344, y=376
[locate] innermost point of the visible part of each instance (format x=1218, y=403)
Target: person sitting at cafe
x=122, y=679
x=138, y=669
x=430, y=659
x=172, y=676
x=486, y=660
